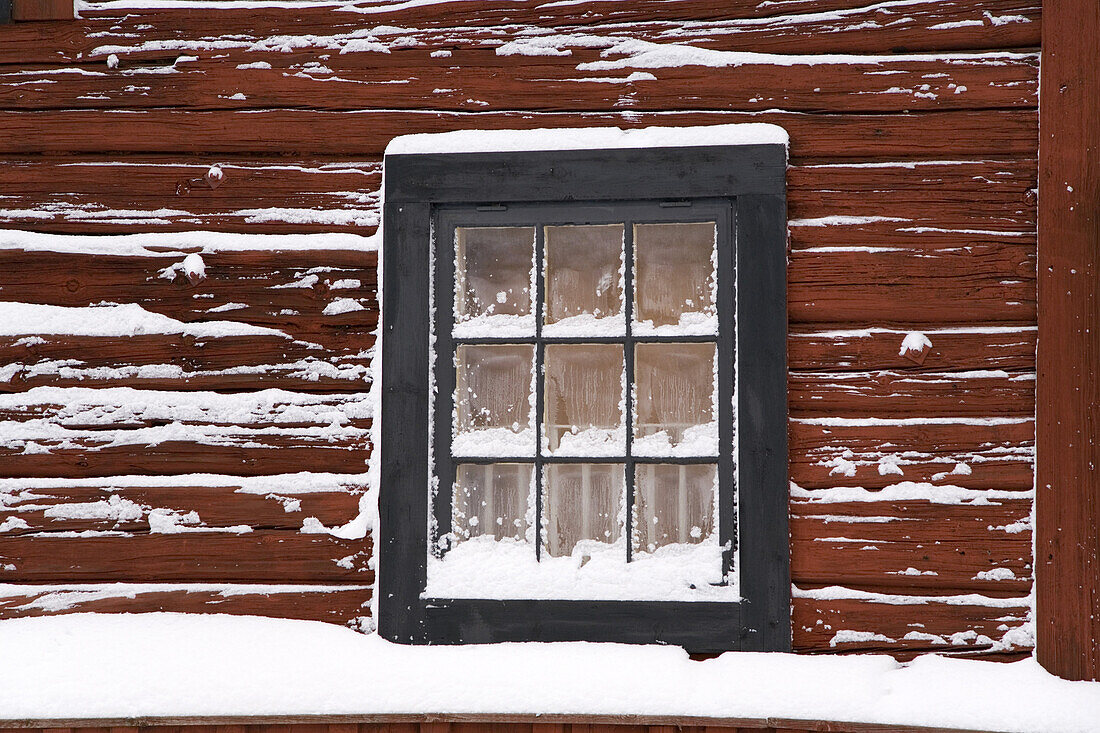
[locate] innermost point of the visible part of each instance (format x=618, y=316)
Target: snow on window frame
x=736, y=176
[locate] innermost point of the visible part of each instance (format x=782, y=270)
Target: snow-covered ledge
x=96, y=666
x=589, y=138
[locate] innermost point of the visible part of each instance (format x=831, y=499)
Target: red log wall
x=912, y=203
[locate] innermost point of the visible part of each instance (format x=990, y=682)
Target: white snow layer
x=173, y=244
x=589, y=138
x=130, y=319
x=206, y=665
x=484, y=568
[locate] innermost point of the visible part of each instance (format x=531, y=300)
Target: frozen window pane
x=493, y=400
x=584, y=400
x=675, y=399
x=584, y=289
x=493, y=268
x=583, y=502
x=673, y=504
x=491, y=500
x=675, y=278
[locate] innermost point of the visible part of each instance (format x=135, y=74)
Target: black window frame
x=426, y=193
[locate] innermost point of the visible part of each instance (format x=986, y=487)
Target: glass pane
x=675, y=400
x=491, y=500
x=583, y=503
x=673, y=504
x=493, y=269
x=494, y=396
x=584, y=400
x=675, y=278
x=584, y=280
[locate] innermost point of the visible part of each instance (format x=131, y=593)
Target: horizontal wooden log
x=971, y=453
x=259, y=457
x=346, y=605
x=972, y=285
x=184, y=362
x=960, y=348
x=534, y=80
x=978, y=195
x=806, y=26
x=259, y=556
x=253, y=195
x=882, y=626
x=118, y=507
x=290, y=195
x=78, y=432
x=990, y=133
x=915, y=566
x=914, y=546
x=285, y=290
x=900, y=395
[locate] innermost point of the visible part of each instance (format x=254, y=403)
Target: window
x=584, y=393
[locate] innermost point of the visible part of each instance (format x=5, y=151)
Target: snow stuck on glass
x=583, y=553
x=494, y=282
x=584, y=272
x=494, y=410
x=507, y=569
x=676, y=279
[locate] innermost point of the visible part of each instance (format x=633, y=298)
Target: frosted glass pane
x=675, y=278
x=673, y=504
x=491, y=500
x=584, y=280
x=493, y=267
x=493, y=400
x=582, y=502
x=583, y=400
x=675, y=400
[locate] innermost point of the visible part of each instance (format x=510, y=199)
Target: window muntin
x=625, y=486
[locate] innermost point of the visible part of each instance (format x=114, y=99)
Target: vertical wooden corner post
x=1067, y=506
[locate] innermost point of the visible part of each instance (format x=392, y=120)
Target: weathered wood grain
x=994, y=454
x=42, y=10
x=814, y=26
x=885, y=625
x=185, y=362
x=340, y=604
x=901, y=395
x=1067, y=505
x=533, y=80
x=79, y=432
x=961, y=348
x=459, y=723
x=257, y=556
x=285, y=290
x=989, y=133
x=122, y=506
x=976, y=284
x=914, y=547
x=978, y=195
x=259, y=195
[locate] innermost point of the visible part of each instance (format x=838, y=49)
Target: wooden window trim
x=417, y=188
x=1067, y=425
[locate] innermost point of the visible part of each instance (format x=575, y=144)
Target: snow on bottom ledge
x=163, y=664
